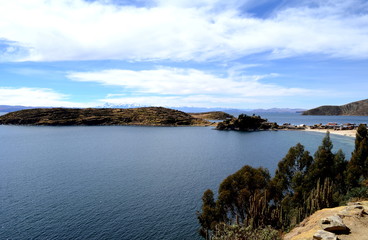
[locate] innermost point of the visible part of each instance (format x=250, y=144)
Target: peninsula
x=149, y=116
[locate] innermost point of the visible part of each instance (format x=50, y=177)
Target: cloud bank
x=36, y=97
x=187, y=87
x=206, y=30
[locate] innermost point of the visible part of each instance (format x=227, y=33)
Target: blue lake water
x=124, y=182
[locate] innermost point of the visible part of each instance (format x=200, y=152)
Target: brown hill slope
x=354, y=216
x=216, y=115
x=359, y=108
x=152, y=116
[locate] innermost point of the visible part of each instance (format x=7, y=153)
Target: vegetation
x=357, y=168
x=236, y=232
x=251, y=203
x=245, y=123
x=154, y=116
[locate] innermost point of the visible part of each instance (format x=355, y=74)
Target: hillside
x=216, y=115
x=354, y=217
x=359, y=108
x=151, y=116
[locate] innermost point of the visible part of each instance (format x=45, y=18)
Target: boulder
x=357, y=210
x=324, y=235
x=334, y=224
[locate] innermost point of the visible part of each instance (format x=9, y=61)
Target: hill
x=359, y=108
x=216, y=115
x=354, y=217
x=150, y=116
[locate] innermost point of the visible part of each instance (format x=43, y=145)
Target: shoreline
x=346, y=133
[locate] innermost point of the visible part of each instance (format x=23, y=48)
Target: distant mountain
x=7, y=108
x=110, y=105
x=279, y=110
x=359, y=108
x=232, y=111
x=236, y=112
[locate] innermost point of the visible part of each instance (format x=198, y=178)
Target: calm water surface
x=124, y=182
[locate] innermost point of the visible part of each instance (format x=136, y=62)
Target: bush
x=236, y=232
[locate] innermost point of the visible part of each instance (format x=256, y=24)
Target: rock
x=324, y=235
x=334, y=224
x=353, y=210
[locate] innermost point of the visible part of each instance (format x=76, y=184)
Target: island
x=147, y=116
x=358, y=108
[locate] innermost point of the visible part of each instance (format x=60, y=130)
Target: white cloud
x=176, y=81
x=188, y=87
x=37, y=97
x=52, y=30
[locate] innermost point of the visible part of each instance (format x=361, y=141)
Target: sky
x=243, y=54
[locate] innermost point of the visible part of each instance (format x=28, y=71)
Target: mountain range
x=232, y=111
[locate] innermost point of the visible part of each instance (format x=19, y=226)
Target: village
x=328, y=126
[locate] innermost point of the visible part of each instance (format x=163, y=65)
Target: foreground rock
x=150, y=116
x=334, y=224
x=324, y=235
x=354, y=216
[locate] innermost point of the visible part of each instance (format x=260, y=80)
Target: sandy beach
x=348, y=133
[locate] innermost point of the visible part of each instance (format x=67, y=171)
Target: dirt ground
x=356, y=219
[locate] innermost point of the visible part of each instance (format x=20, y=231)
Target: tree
x=208, y=216
x=299, y=175
x=340, y=172
x=301, y=185
x=323, y=165
x=236, y=190
x=290, y=176
x=358, y=166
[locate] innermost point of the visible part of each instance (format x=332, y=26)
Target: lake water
x=124, y=182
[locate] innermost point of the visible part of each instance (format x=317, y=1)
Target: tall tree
x=323, y=165
x=290, y=177
x=236, y=190
x=358, y=165
x=208, y=216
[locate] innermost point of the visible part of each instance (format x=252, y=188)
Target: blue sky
x=205, y=53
